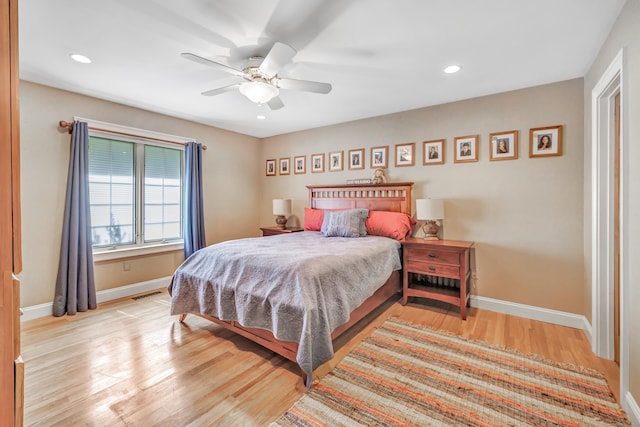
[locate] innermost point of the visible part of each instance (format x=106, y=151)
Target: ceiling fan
x=261, y=82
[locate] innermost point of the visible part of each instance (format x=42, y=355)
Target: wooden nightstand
x=272, y=231
x=426, y=260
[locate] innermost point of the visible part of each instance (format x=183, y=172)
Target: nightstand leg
x=405, y=286
x=464, y=284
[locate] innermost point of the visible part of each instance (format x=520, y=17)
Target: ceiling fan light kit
x=258, y=91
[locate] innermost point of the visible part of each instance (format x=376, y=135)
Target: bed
x=311, y=292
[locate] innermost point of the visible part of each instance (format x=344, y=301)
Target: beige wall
x=525, y=215
x=624, y=35
x=232, y=161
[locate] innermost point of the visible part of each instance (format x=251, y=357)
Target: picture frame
x=545, y=141
x=270, y=167
x=465, y=148
x=379, y=156
x=300, y=165
x=317, y=163
x=433, y=152
x=503, y=145
x=356, y=159
x=335, y=161
x=285, y=166
x=405, y=154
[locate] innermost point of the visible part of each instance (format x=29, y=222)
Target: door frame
x=602, y=210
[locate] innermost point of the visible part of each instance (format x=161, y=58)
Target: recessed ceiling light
x=80, y=58
x=452, y=69
x=261, y=117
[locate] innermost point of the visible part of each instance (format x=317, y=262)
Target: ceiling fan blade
x=210, y=63
x=279, y=56
x=220, y=90
x=304, y=85
x=275, y=103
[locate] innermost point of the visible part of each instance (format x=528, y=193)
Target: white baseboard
x=43, y=310
x=632, y=409
x=535, y=313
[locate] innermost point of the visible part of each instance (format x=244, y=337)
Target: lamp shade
x=259, y=92
x=429, y=209
x=281, y=206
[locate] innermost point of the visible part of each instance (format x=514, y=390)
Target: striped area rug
x=410, y=375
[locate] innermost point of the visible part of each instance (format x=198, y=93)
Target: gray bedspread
x=300, y=286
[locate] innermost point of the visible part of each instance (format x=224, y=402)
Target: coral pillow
x=313, y=219
x=396, y=225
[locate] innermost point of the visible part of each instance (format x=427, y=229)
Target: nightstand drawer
x=433, y=255
x=432, y=269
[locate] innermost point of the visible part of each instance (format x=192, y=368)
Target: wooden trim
x=15, y=137
x=10, y=240
x=16, y=317
x=18, y=417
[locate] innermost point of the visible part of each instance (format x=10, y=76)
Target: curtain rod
x=69, y=126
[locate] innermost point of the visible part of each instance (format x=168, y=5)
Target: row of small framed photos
x=543, y=142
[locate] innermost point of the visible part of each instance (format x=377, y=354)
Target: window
x=135, y=192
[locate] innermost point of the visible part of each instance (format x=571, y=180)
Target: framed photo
x=271, y=167
x=546, y=141
x=405, y=154
x=433, y=152
x=317, y=163
x=379, y=157
x=285, y=167
x=300, y=164
x=465, y=149
x=335, y=161
x=356, y=159
x=504, y=145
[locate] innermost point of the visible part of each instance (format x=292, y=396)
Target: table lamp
x=281, y=208
x=430, y=211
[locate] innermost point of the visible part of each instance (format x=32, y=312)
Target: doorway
x=609, y=284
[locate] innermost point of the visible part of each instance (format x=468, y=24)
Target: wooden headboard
x=394, y=197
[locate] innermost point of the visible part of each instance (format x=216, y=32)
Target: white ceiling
x=381, y=56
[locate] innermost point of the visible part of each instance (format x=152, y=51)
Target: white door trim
x=602, y=210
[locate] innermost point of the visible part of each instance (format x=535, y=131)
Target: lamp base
x=281, y=220
x=430, y=229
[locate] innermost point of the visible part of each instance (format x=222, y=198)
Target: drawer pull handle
x=433, y=255
x=432, y=268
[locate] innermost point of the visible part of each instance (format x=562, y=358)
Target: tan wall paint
x=111, y=274
x=231, y=158
x=525, y=215
x=623, y=35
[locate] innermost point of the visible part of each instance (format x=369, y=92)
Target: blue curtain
x=75, y=285
x=194, y=237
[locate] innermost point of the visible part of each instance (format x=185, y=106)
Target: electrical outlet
x=474, y=282
x=126, y=266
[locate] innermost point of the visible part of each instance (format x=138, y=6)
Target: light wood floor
x=130, y=363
